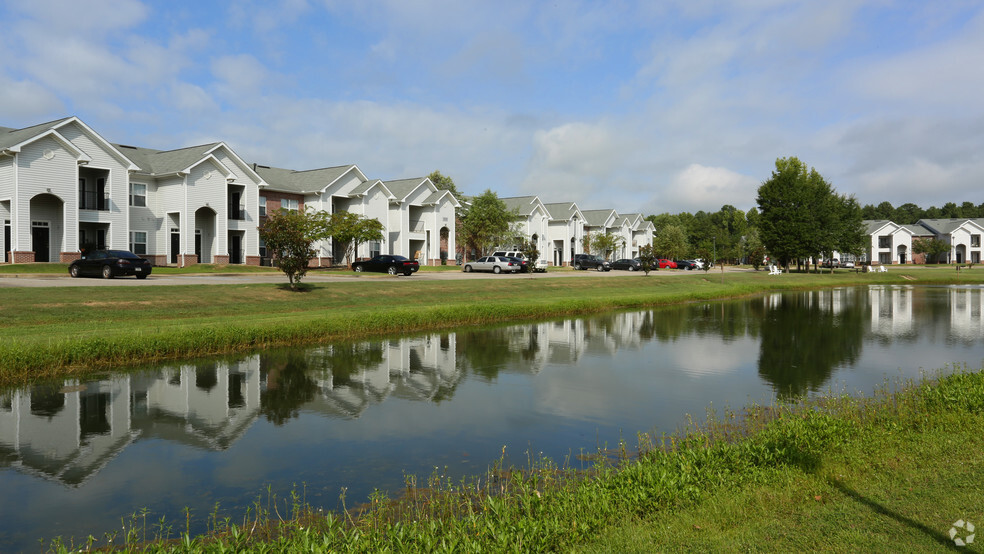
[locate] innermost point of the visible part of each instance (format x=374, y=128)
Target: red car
x=663, y=264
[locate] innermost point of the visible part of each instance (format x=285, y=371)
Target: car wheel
x=141, y=276
x=577, y=267
x=600, y=268
x=391, y=270
x=358, y=269
x=107, y=272
x=73, y=271
x=467, y=269
x=496, y=269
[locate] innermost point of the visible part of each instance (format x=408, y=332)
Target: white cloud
x=708, y=188
x=26, y=102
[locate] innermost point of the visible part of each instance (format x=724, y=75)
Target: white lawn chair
x=774, y=270
x=881, y=269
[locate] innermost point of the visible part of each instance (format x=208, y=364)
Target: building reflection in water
x=68, y=432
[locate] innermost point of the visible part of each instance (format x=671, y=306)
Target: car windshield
x=401, y=258
x=122, y=254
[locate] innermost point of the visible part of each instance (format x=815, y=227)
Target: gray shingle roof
x=872, y=225
x=401, y=188
x=597, y=218
x=561, y=210
x=301, y=182
x=947, y=226
x=11, y=137
x=164, y=162
x=524, y=205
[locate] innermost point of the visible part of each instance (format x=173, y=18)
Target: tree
x=290, y=236
x=487, y=222
x=349, y=230
x=671, y=242
x=933, y=248
x=647, y=257
x=801, y=213
x=443, y=182
x=605, y=244
x=530, y=251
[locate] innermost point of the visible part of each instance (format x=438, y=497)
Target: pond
x=214, y=435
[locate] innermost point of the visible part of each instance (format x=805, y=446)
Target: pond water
x=76, y=457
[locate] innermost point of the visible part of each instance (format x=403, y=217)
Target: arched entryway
x=902, y=254
x=961, y=253
x=445, y=238
x=205, y=235
x=47, y=227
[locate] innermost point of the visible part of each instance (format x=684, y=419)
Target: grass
x=71, y=331
x=891, y=472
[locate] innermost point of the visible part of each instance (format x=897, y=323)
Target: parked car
x=664, y=264
x=590, y=261
x=627, y=264
x=387, y=263
x=524, y=266
x=110, y=263
x=848, y=265
x=685, y=264
x=698, y=264
x=495, y=264
x=540, y=266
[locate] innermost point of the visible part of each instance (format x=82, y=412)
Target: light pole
x=714, y=242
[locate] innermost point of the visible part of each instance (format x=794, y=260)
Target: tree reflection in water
x=804, y=337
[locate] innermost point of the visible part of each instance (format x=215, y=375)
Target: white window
x=138, y=195
x=138, y=242
x=262, y=206
x=374, y=248
x=289, y=204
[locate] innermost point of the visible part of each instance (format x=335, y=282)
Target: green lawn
x=49, y=331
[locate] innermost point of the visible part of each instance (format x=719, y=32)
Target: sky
x=644, y=107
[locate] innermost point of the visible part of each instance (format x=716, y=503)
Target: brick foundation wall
x=157, y=260
x=253, y=260
x=69, y=257
x=184, y=260
x=221, y=260
x=22, y=257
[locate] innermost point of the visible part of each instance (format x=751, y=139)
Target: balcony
x=237, y=213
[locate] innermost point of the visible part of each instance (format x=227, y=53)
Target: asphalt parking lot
x=314, y=276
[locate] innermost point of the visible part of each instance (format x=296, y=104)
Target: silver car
x=495, y=264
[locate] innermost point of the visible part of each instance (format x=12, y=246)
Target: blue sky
x=650, y=106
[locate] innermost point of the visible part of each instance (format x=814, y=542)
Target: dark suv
x=590, y=261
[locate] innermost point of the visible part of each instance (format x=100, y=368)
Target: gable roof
x=402, y=188
x=311, y=181
x=563, y=211
x=524, y=205
x=166, y=162
x=947, y=226
x=599, y=218
x=14, y=139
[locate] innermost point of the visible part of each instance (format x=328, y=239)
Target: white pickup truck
x=539, y=267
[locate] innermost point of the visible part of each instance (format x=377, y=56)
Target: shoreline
x=73, y=332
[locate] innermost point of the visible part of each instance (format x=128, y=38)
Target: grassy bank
x=48, y=332
x=892, y=472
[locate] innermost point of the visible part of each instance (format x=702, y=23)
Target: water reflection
x=566, y=383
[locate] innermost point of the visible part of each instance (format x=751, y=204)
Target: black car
x=524, y=265
x=686, y=264
x=110, y=263
x=387, y=263
x=590, y=261
x=627, y=264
